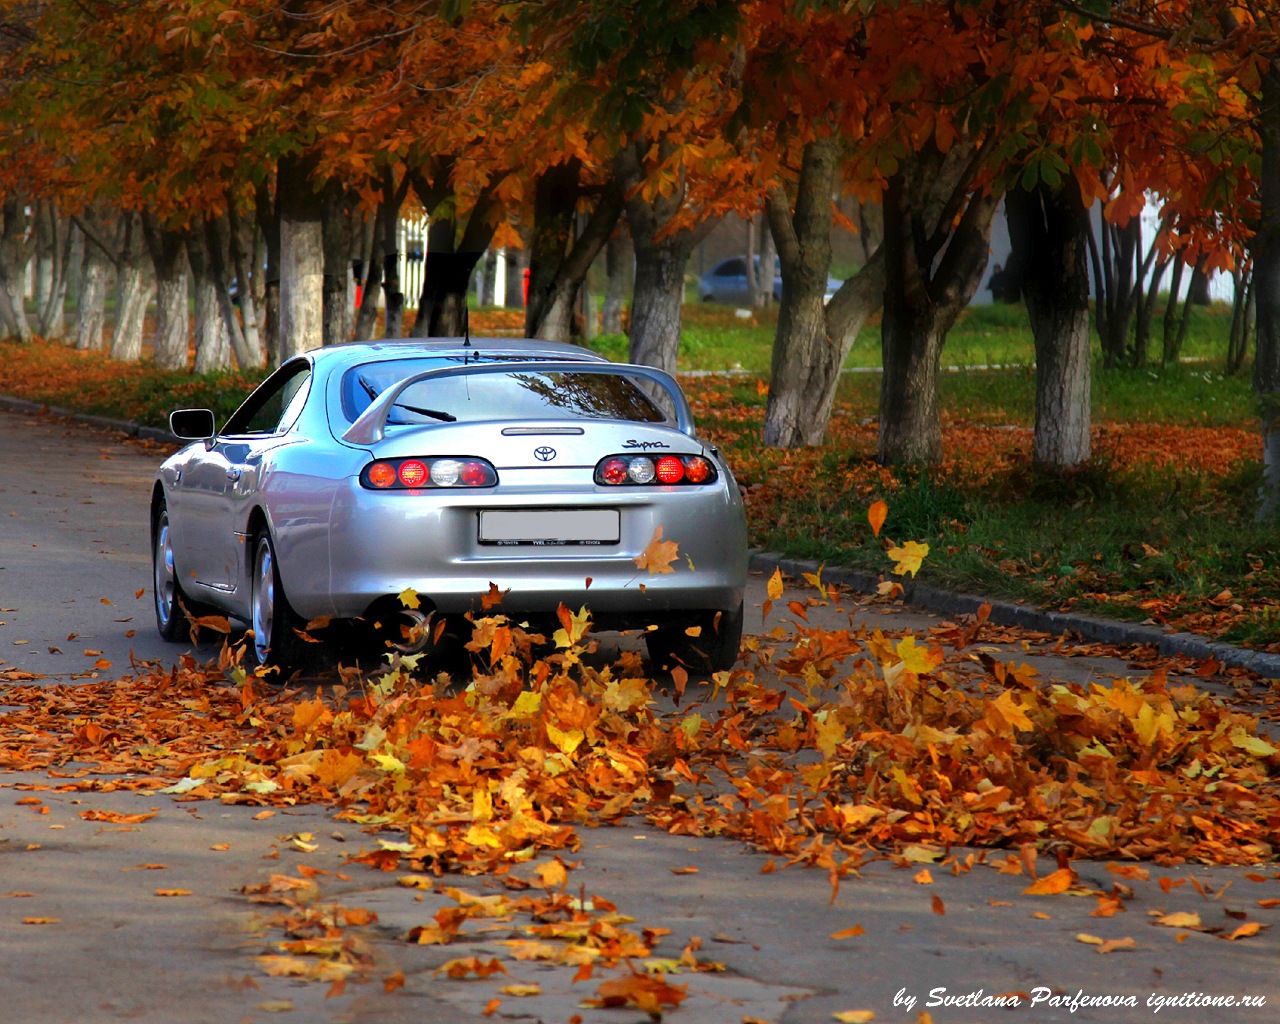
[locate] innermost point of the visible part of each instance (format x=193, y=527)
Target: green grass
x=715, y=338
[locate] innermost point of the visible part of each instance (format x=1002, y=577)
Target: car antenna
x=466, y=325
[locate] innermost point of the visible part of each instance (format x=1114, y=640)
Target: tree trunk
x=661, y=257
x=446, y=279
x=92, y=313
x=813, y=339
x=301, y=259
x=217, y=234
x=213, y=345
x=658, y=302
x=933, y=265
x=267, y=214
x=617, y=261
x=337, y=266
x=367, y=317
x=248, y=276
x=133, y=292
x=1243, y=309
x=1266, y=272
x=559, y=257
x=1049, y=230
x=52, y=304
x=1169, y=328
x=168, y=256
x=15, y=253
x=393, y=197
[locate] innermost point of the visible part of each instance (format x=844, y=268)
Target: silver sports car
x=357, y=472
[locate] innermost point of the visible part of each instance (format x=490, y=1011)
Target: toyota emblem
x=544, y=454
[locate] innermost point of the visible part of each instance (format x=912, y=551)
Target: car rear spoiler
x=370, y=427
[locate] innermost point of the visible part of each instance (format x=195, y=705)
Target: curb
x=1008, y=613
x=931, y=599
x=130, y=429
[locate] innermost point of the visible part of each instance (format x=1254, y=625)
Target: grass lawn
x=1159, y=526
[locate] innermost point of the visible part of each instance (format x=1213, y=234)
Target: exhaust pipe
x=415, y=634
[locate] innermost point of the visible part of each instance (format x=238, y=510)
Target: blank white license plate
x=549, y=526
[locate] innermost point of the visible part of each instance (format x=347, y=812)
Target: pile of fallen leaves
x=823, y=743
x=825, y=747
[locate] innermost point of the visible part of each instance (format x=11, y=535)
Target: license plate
x=549, y=526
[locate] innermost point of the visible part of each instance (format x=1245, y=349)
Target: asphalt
x=1090, y=628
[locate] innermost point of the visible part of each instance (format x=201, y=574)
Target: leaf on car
x=658, y=554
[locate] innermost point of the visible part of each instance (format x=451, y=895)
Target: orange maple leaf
x=657, y=555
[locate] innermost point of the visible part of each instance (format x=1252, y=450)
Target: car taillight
x=623, y=470
x=418, y=474
x=413, y=473
x=670, y=470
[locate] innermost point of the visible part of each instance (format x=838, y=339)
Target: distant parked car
x=727, y=282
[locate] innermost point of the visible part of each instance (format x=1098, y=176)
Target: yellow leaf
x=521, y=990
x=916, y=659
x=1111, y=945
x=388, y=762
x=1182, y=919
x=774, y=588
x=909, y=557
x=922, y=877
x=1092, y=940
x=854, y=1016
x=552, y=874
x=409, y=598
x=1253, y=744
x=566, y=741
x=572, y=626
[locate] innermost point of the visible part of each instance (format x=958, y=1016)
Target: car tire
x=272, y=642
x=715, y=649
x=173, y=607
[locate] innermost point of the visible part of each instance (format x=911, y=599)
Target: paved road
x=73, y=554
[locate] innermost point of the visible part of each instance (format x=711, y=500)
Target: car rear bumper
x=382, y=544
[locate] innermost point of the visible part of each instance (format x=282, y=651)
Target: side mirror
x=192, y=424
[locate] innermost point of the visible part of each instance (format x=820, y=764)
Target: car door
x=220, y=485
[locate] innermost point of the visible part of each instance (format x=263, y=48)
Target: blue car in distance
x=726, y=282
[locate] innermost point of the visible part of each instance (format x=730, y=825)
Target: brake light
x=417, y=474
x=413, y=473
x=670, y=470
x=622, y=470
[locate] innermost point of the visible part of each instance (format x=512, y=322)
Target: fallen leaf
x=1181, y=919
x=1052, y=884
x=1245, y=930
x=849, y=933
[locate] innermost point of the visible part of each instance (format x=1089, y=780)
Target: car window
x=514, y=395
x=732, y=268
x=275, y=405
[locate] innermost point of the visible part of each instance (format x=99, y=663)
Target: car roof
x=352, y=352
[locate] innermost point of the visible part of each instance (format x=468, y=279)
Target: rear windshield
x=514, y=395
